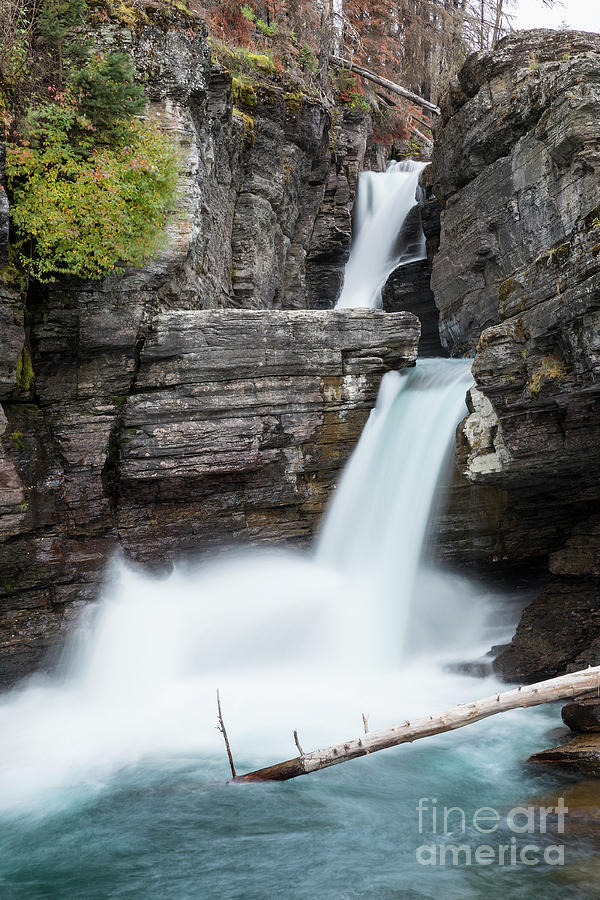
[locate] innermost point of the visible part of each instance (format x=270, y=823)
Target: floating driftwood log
x=457, y=717
x=384, y=82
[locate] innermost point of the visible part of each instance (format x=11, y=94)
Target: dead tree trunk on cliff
x=384, y=82
x=457, y=717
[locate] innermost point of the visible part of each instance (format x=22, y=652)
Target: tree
x=107, y=94
x=55, y=21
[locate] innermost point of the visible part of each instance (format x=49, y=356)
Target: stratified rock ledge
x=581, y=754
x=171, y=433
x=241, y=419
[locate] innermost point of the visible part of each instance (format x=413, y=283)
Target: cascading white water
x=375, y=529
x=271, y=630
x=383, y=204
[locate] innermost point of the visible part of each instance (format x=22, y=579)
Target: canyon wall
x=517, y=282
x=199, y=399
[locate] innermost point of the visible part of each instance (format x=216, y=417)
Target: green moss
x=119, y=399
x=505, y=290
x=262, y=62
x=551, y=368
x=135, y=14
x=25, y=374
x=294, y=101
x=560, y=253
x=248, y=123
x=17, y=438
x=243, y=93
x=555, y=255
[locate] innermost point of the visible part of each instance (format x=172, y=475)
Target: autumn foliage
x=416, y=43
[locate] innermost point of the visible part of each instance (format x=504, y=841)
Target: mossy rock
x=294, y=101
x=505, y=290
x=248, y=123
x=133, y=15
x=25, y=374
x=551, y=368
x=262, y=62
x=244, y=94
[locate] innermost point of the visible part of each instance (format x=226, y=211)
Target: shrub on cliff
x=86, y=215
x=89, y=185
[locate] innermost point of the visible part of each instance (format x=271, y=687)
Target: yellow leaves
x=83, y=217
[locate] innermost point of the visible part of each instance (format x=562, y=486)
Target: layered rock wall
x=517, y=282
x=172, y=407
x=173, y=434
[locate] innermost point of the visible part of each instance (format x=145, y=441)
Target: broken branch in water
x=457, y=717
x=222, y=729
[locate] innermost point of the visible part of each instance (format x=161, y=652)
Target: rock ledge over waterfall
x=172, y=435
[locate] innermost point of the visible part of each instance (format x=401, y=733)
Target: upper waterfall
x=383, y=204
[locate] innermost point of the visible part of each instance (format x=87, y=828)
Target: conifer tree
x=55, y=22
x=107, y=95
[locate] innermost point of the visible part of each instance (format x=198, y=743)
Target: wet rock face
x=172, y=433
x=408, y=289
x=558, y=632
x=581, y=754
x=517, y=283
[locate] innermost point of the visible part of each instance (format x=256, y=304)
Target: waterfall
x=273, y=630
x=375, y=528
x=380, y=245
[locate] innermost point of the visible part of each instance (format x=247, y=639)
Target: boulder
x=582, y=714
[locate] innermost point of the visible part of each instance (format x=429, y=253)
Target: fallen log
x=457, y=717
x=384, y=82
x=423, y=138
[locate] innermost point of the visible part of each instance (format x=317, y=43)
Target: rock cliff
x=194, y=400
x=517, y=282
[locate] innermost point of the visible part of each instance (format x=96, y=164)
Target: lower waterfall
x=375, y=529
x=112, y=773
x=269, y=628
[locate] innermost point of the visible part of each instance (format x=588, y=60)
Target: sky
x=583, y=15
